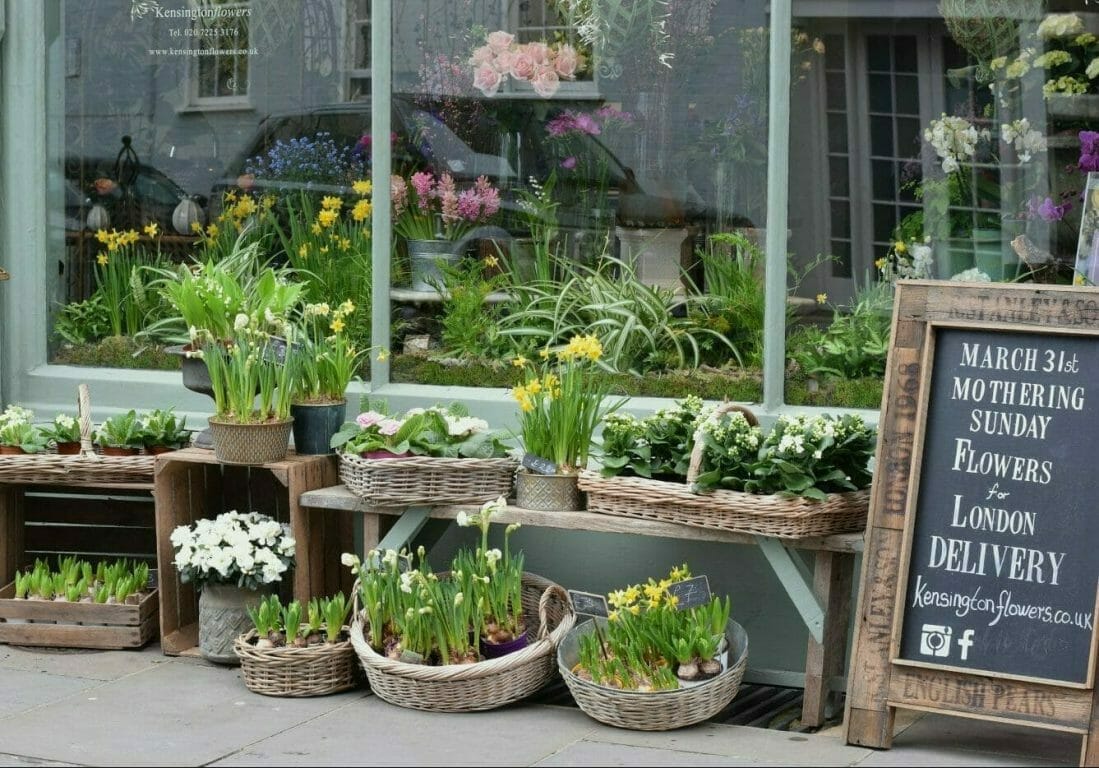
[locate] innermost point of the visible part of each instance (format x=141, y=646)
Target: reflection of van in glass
x=506, y=140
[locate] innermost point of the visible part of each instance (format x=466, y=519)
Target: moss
x=838, y=393
x=117, y=352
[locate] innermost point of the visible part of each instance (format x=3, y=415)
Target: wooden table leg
x=832, y=577
x=372, y=533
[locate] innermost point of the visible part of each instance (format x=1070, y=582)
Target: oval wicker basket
x=656, y=710
x=250, y=444
x=781, y=516
x=84, y=468
x=312, y=671
x=406, y=481
x=486, y=684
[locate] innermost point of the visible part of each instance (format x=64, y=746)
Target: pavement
x=144, y=708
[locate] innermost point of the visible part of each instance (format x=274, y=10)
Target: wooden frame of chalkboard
x=979, y=585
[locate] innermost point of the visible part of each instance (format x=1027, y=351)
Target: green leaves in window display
x=856, y=343
x=83, y=322
x=120, y=431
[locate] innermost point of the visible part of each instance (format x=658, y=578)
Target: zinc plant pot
x=315, y=424
x=424, y=256
x=222, y=618
x=249, y=444
x=547, y=493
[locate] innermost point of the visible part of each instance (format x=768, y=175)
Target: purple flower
x=1046, y=209
x=1089, y=151
x=587, y=124
x=569, y=163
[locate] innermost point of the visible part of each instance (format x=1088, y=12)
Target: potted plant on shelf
x=655, y=663
x=328, y=362
x=436, y=218
x=64, y=432
x=233, y=560
x=18, y=434
x=252, y=381
x=560, y=406
x=296, y=649
x=120, y=435
x=444, y=456
x=163, y=431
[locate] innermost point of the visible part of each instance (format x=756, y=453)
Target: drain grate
x=756, y=706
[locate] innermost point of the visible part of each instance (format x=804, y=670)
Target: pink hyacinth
x=424, y=184
x=398, y=192
x=490, y=196
x=448, y=197
x=469, y=204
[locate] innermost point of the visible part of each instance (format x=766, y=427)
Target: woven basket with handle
x=315, y=670
x=654, y=710
x=781, y=516
x=486, y=684
x=84, y=468
x=404, y=481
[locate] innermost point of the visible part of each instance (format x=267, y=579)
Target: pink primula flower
x=369, y=419
x=388, y=427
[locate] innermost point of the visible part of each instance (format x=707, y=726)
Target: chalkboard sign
x=1003, y=567
x=691, y=592
x=981, y=563
x=539, y=465
x=588, y=604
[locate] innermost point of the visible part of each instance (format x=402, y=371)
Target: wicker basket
x=312, y=671
x=657, y=710
x=486, y=684
x=85, y=468
x=405, y=481
x=781, y=516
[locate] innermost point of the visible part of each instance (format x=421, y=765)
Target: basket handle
x=84, y=412
x=551, y=592
x=695, y=465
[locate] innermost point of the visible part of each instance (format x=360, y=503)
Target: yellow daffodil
x=212, y=230
x=102, y=259
x=331, y=203
x=347, y=307
x=337, y=324
x=491, y=262
x=900, y=247
x=244, y=208
x=672, y=601
x=327, y=217
x=345, y=244
x=196, y=227
x=880, y=263
x=303, y=251
x=617, y=598
x=102, y=236
x=151, y=229
x=612, y=616
x=1079, y=279
x=316, y=228
x=821, y=298
x=519, y=362
x=534, y=387
x=383, y=356
x=362, y=210
x=268, y=202
x=362, y=187
x=632, y=593
x=635, y=610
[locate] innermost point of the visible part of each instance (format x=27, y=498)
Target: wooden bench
x=821, y=594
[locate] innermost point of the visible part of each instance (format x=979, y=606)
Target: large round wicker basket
x=658, y=710
x=486, y=684
x=312, y=671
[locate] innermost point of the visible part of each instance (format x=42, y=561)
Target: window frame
x=195, y=99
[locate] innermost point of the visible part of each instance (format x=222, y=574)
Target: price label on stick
x=588, y=604
x=691, y=592
x=539, y=465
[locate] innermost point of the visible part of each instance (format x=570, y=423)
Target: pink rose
x=499, y=41
x=538, y=52
x=545, y=82
x=522, y=66
x=566, y=62
x=486, y=79
x=482, y=55
x=503, y=62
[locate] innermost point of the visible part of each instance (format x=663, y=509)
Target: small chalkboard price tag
x=539, y=465
x=588, y=604
x=691, y=592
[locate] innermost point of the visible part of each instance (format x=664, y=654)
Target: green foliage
x=732, y=295
x=470, y=325
x=266, y=615
x=856, y=343
x=120, y=431
x=161, y=426
x=83, y=322
x=248, y=369
x=22, y=435
x=658, y=446
x=639, y=326
x=118, y=352
x=334, y=611
x=78, y=581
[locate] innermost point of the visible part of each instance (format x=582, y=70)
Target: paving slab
x=16, y=761
x=178, y=713
x=749, y=746
x=22, y=690
x=371, y=730
x=598, y=753
x=94, y=665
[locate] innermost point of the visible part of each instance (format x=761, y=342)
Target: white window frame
x=358, y=34
x=234, y=101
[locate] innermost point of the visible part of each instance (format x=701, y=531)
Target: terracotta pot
x=11, y=450
x=156, y=450
x=119, y=450
x=69, y=448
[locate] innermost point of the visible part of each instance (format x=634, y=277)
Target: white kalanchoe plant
x=248, y=550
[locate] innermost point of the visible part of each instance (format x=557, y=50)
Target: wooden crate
x=77, y=625
x=191, y=484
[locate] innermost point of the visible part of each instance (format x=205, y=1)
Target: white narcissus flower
x=349, y=559
x=462, y=519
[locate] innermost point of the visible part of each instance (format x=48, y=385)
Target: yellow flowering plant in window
x=122, y=265
x=328, y=359
x=561, y=403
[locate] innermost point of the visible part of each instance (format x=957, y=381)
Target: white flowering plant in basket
x=249, y=550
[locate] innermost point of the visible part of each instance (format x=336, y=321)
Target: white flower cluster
x=808, y=435
x=954, y=140
x=250, y=549
x=915, y=262
x=15, y=414
x=734, y=433
x=1057, y=25
x=973, y=275
x=1025, y=139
